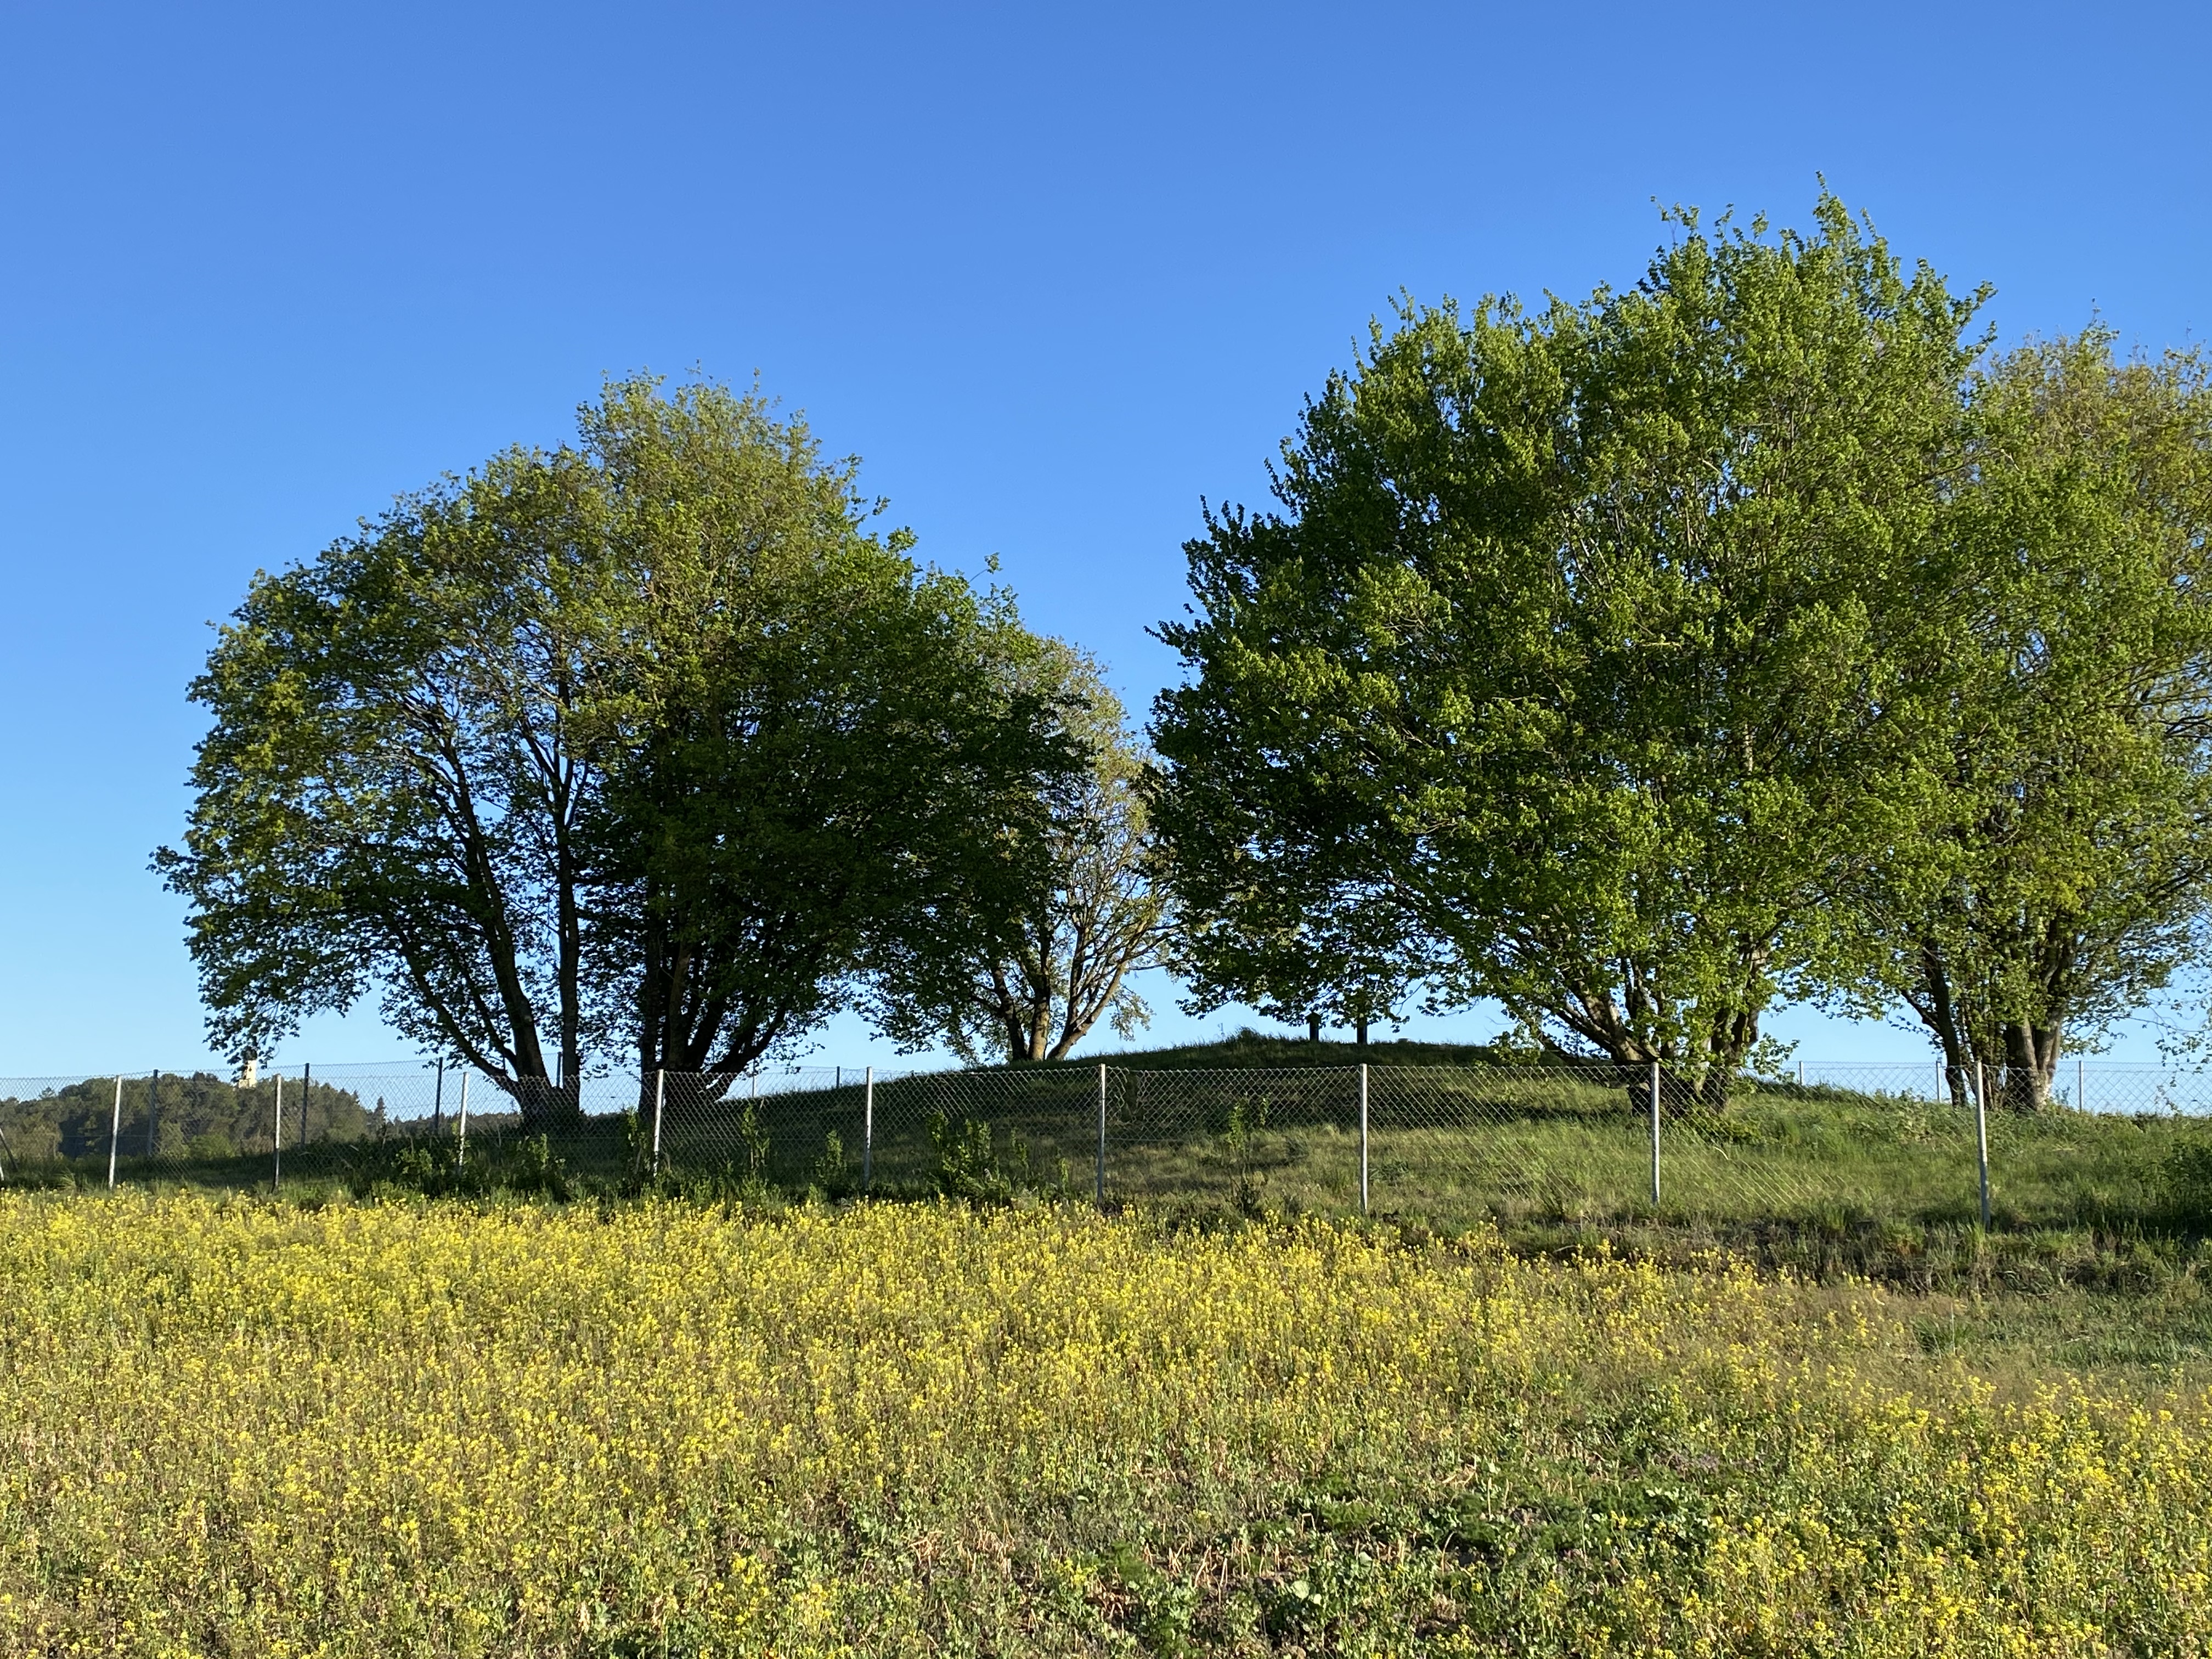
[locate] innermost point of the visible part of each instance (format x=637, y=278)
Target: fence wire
x=1454, y=1144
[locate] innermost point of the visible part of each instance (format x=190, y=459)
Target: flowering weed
x=241, y=1428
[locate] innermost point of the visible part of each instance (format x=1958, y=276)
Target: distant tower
x=249, y=1071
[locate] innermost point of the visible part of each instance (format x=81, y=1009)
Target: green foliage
x=828, y=760
x=2188, y=1172
x=1562, y=679
x=968, y=1161
x=645, y=740
x=525, y=1165
x=201, y=1116
x=831, y=1174
x=2057, y=874
x=1031, y=988
x=1247, y=1118
x=399, y=761
x=753, y=1136
x=1635, y=662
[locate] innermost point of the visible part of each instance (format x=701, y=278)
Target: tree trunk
x=1313, y=1028
x=2031, y=1061
x=1940, y=1014
x=1359, y=1026
x=1732, y=1038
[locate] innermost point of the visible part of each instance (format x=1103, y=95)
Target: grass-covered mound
x=1248, y=1047
x=658, y=1429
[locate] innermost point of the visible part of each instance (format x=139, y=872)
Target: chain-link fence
x=1448, y=1144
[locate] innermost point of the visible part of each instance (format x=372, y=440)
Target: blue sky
x=1054, y=274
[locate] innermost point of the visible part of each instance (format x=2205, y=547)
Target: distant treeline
x=199, y=1117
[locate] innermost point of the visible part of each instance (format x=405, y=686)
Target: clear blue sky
x=1055, y=274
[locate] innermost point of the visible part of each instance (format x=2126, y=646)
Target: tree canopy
x=641, y=742
x=2063, y=868
x=1755, y=632
x=1571, y=666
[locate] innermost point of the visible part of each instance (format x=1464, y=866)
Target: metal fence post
x=306, y=1092
x=1101, y=1134
x=438, y=1101
x=868, y=1133
x=114, y=1132
x=1981, y=1141
x=2081, y=1086
x=462, y=1155
x=1363, y=1137
x=153, y=1095
x=1655, y=1134
x=659, y=1088
x=277, y=1151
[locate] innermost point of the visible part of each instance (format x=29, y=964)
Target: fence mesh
x=1450, y=1144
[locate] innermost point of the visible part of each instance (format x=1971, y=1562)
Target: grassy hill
x=1250, y=1048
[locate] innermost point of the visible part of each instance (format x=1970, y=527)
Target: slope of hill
x=1248, y=1047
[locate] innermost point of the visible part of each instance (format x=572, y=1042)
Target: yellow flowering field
x=242, y=1428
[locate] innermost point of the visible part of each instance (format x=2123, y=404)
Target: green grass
x=1249, y=1049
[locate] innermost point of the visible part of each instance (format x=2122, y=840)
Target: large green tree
x=1575, y=645
x=2063, y=877
x=631, y=745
